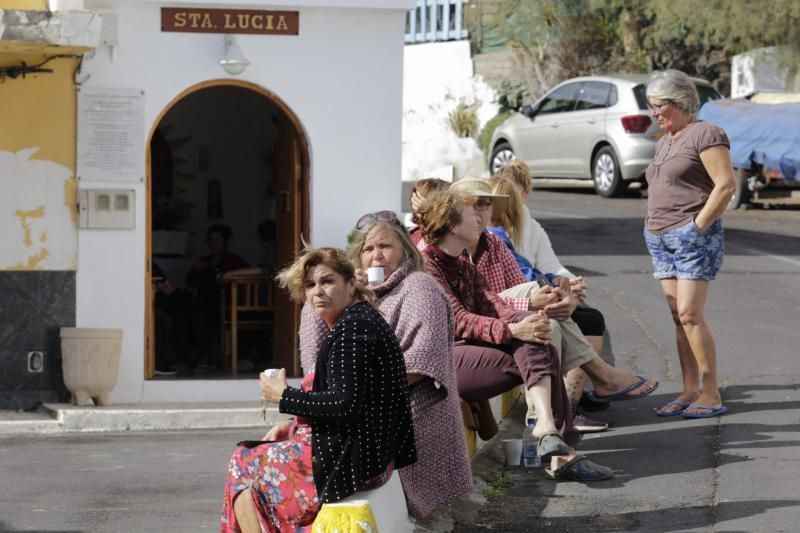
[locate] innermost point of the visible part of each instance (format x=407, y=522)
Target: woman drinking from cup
x=417, y=310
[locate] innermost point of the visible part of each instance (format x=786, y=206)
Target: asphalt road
x=735, y=473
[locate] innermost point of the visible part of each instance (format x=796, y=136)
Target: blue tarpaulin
x=766, y=135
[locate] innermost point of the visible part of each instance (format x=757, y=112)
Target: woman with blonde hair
x=353, y=424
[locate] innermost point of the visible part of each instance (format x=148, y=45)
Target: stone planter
x=90, y=360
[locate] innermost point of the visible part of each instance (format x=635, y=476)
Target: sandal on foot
x=663, y=411
x=551, y=444
x=623, y=394
x=712, y=411
x=580, y=469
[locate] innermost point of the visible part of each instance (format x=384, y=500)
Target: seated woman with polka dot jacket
x=353, y=424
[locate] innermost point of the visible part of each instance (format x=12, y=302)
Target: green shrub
x=485, y=136
x=511, y=94
x=463, y=120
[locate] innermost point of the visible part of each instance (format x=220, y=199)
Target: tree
x=553, y=40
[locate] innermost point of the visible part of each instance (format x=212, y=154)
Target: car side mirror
x=529, y=111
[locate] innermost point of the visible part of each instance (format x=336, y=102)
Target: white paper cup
x=272, y=372
x=513, y=449
x=375, y=275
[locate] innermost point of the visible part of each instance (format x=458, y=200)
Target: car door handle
x=554, y=125
x=592, y=121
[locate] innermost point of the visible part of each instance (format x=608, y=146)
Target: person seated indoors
x=533, y=243
x=418, y=312
x=204, y=279
x=268, y=259
x=498, y=347
x=353, y=425
x=496, y=264
x=509, y=226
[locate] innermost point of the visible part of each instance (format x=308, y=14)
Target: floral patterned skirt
x=281, y=482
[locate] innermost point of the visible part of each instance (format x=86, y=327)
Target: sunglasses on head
x=374, y=218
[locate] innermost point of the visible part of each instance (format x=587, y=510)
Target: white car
x=593, y=127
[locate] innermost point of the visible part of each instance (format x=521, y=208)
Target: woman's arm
x=543, y=256
x=717, y=162
x=424, y=328
x=347, y=368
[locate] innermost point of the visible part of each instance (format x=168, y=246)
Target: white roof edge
x=405, y=5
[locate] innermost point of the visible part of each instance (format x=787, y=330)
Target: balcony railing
x=436, y=20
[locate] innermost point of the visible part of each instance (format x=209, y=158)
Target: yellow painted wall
x=30, y=5
x=39, y=112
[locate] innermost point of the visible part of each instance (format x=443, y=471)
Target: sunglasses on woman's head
x=374, y=218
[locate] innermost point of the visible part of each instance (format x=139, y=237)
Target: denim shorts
x=686, y=253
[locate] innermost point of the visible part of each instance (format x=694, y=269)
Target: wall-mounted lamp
x=234, y=61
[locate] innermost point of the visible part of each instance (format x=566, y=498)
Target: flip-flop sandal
x=580, y=469
x=622, y=395
x=551, y=444
x=712, y=411
x=663, y=412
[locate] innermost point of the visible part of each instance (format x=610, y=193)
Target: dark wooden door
x=288, y=225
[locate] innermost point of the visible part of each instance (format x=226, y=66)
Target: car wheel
x=501, y=156
x=742, y=193
x=606, y=174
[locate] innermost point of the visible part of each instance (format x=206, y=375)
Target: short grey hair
x=676, y=86
x=399, y=232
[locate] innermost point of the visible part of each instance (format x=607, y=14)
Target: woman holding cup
x=353, y=423
x=417, y=310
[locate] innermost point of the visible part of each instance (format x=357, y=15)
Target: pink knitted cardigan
x=416, y=307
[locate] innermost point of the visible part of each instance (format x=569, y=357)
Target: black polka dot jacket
x=358, y=408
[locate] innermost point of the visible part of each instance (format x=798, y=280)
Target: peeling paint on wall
x=39, y=209
x=23, y=217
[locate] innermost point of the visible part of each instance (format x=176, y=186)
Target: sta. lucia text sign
x=192, y=20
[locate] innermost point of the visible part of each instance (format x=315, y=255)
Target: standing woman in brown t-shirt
x=690, y=182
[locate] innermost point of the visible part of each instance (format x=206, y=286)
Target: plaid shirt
x=499, y=269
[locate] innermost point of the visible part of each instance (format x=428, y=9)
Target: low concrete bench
x=501, y=405
x=386, y=505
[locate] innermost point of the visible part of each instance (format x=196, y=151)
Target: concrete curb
x=66, y=418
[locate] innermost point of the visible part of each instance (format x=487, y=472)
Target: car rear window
x=641, y=98
x=706, y=93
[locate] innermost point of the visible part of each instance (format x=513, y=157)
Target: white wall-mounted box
x=106, y=208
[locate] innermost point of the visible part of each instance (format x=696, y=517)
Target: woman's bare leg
x=691, y=299
x=246, y=514
x=689, y=370
x=539, y=397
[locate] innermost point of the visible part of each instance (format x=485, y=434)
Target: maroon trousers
x=486, y=370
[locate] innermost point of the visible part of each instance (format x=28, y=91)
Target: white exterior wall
x=342, y=77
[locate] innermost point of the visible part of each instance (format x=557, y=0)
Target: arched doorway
x=228, y=167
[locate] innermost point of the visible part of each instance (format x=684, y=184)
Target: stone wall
x=35, y=305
